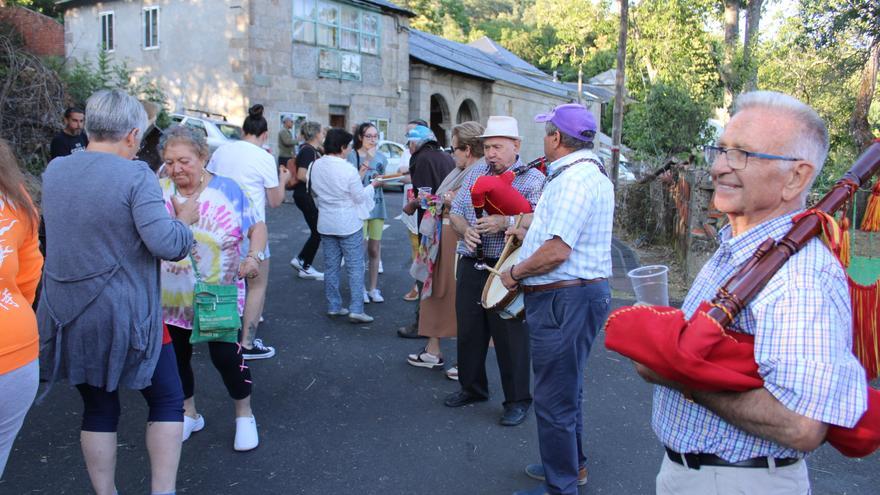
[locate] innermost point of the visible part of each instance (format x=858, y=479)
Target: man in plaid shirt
x=755, y=442
x=501, y=143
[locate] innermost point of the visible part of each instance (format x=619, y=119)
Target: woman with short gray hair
x=100, y=316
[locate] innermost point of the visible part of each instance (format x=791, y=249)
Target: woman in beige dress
x=437, y=310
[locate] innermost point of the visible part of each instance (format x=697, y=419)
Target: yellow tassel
x=871, y=220
x=844, y=255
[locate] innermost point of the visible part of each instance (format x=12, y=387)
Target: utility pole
x=580, y=82
x=619, y=92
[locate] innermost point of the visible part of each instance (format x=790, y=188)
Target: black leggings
x=101, y=408
x=307, y=205
x=226, y=358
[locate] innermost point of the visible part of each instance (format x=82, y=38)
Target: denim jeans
x=562, y=326
x=352, y=248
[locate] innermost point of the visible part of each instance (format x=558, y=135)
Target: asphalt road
x=340, y=411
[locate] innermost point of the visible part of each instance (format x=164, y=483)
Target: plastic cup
x=651, y=285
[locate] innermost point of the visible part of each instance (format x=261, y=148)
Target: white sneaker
x=192, y=425
x=246, y=437
x=360, y=318
x=381, y=268
x=339, y=312
x=375, y=296
x=296, y=263
x=366, y=297
x=310, y=273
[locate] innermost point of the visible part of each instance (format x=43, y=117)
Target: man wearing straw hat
x=563, y=267
x=476, y=326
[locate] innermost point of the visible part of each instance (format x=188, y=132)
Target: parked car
x=218, y=132
x=392, y=151
x=624, y=168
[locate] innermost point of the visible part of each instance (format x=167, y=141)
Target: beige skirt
x=437, y=313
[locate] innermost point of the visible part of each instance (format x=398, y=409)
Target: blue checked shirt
x=578, y=207
x=801, y=321
x=528, y=184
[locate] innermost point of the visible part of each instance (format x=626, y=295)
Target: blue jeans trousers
x=562, y=326
x=352, y=248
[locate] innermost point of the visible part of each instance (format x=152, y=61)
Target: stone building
x=452, y=82
x=338, y=62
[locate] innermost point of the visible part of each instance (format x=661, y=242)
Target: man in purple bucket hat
x=563, y=268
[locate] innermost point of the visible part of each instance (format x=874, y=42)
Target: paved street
x=341, y=412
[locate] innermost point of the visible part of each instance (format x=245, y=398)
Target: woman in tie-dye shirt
x=226, y=220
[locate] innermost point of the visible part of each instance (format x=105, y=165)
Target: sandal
x=412, y=295
x=425, y=359
x=452, y=373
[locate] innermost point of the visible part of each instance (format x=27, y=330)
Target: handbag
x=215, y=311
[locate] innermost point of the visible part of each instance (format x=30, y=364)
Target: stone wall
x=283, y=75
x=672, y=209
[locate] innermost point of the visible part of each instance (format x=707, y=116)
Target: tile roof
x=484, y=60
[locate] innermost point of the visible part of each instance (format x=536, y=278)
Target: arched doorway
x=439, y=118
x=467, y=112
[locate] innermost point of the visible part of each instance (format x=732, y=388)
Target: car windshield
x=230, y=131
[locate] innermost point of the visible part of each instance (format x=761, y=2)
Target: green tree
x=45, y=7
x=857, y=24
x=670, y=42
x=668, y=122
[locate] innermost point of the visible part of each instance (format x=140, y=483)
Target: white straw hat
x=501, y=126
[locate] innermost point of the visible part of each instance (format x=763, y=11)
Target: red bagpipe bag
x=702, y=355
x=497, y=196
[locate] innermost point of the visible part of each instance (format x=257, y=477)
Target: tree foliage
x=45, y=7
x=668, y=121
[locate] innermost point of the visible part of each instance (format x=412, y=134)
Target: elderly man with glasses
x=755, y=442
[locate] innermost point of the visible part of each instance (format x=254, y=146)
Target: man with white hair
x=755, y=442
x=476, y=325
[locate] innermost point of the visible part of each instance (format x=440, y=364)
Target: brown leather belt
x=578, y=282
x=694, y=461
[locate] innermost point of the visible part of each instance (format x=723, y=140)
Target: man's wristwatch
x=258, y=256
x=511, y=221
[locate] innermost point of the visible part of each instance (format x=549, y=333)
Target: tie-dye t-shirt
x=226, y=215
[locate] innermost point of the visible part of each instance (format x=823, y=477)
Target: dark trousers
x=562, y=326
x=164, y=398
x=475, y=327
x=226, y=358
x=306, y=205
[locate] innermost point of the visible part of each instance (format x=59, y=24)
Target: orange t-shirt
x=20, y=267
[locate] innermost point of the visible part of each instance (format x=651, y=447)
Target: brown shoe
x=536, y=472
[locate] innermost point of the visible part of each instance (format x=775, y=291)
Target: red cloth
x=166, y=337
x=703, y=356
x=496, y=194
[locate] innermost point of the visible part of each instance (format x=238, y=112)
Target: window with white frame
x=108, y=42
x=343, y=32
x=151, y=28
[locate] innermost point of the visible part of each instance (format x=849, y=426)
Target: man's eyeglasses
x=451, y=150
x=737, y=159
x=371, y=136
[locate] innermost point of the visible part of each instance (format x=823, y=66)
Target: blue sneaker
x=536, y=472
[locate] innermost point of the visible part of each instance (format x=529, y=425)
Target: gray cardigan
x=107, y=228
